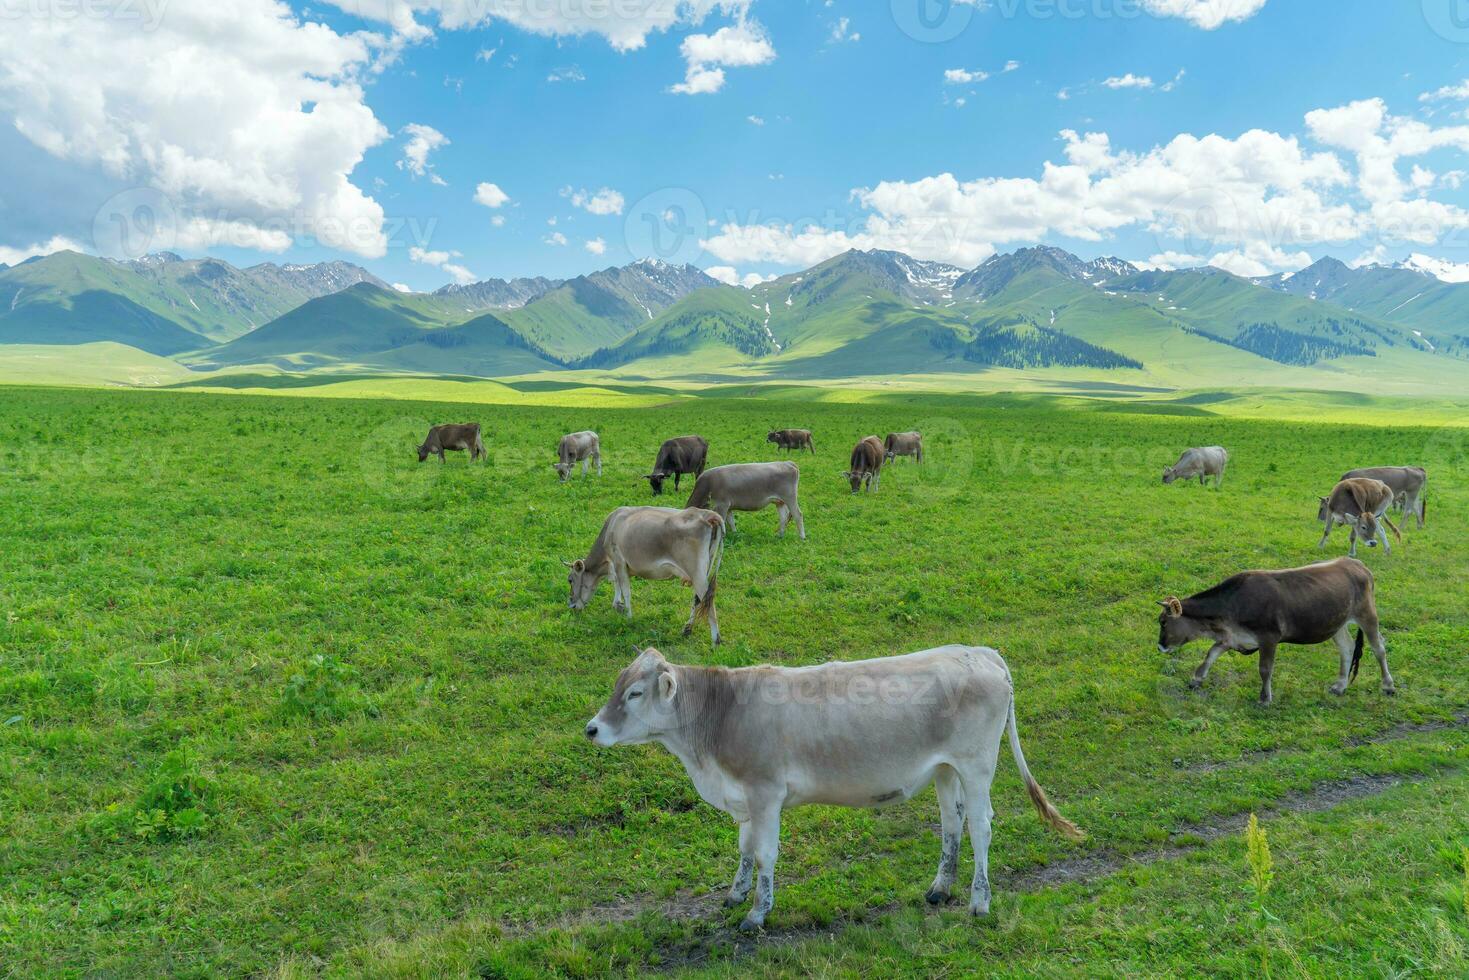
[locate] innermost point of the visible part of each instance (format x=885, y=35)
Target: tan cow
x=1407, y=482
x=866, y=465
x=751, y=487
x=1361, y=504
x=578, y=447
x=903, y=444
x=458, y=438
x=868, y=733
x=653, y=543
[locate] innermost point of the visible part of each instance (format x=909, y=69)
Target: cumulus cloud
x=1207, y=14
x=963, y=76
x=555, y=238
x=603, y=202
x=1246, y=199
x=490, y=195
x=58, y=243
x=249, y=121
x=740, y=45
x=422, y=140
x=731, y=277
x=596, y=246
x=443, y=260
x=1128, y=81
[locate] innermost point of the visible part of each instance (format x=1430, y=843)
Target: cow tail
x=1393, y=528
x=716, y=555
x=1357, y=654
x=1048, y=813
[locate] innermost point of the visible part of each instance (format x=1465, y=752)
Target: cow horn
x=1173, y=605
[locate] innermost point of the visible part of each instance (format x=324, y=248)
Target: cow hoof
x=1194, y=683
x=749, y=926
x=687, y=630
x=936, y=897
x=1338, y=689
x=730, y=901
x=1390, y=692
x=979, y=911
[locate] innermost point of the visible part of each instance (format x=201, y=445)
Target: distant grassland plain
x=276, y=699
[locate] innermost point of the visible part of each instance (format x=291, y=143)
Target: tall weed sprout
x=1262, y=874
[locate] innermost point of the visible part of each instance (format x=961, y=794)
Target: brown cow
x=903, y=444
x=789, y=439
x=866, y=465
x=1407, y=482
x=1258, y=610
x=1362, y=504
x=677, y=456
x=457, y=438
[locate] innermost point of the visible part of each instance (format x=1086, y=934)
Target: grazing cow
x=903, y=444
x=684, y=454
x=653, y=543
x=1202, y=463
x=1407, y=482
x=866, y=465
x=1362, y=504
x=578, y=447
x=458, y=438
x=796, y=439
x=867, y=733
x=750, y=487
x=1258, y=610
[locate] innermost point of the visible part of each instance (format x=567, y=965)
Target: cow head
x=1321, y=512
x=655, y=480
x=889, y=456
x=423, y=452
x=564, y=469
x=583, y=581
x=641, y=706
x=1169, y=475
x=854, y=478
x=1174, y=628
x=1366, y=528
x=773, y=437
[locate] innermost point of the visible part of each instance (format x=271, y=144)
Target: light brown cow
x=653, y=543
x=457, y=438
x=1361, y=504
x=903, y=444
x=867, y=733
x=1407, y=482
x=796, y=439
x=578, y=447
x=866, y=465
x=751, y=487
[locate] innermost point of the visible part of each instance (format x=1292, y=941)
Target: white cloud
x=740, y=45
x=402, y=287
x=1011, y=65
x=1448, y=92
x=756, y=120
x=1207, y=14
x=57, y=243
x=235, y=111
x=486, y=54
x=603, y=202
x=731, y=277
x=1174, y=82
x=1169, y=261
x=842, y=31
x=596, y=246
x=442, y=260
x=555, y=238
x=1128, y=81
x=422, y=140
x=963, y=76
x=498, y=221
x=571, y=73
x=490, y=195
x=1244, y=199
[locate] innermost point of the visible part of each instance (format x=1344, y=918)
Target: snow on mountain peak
x=1440, y=269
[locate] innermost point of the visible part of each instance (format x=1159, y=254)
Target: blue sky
x=247, y=133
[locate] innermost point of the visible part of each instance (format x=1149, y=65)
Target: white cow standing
x=868, y=733
x=578, y=447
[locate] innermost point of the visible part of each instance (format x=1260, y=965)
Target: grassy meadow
x=277, y=700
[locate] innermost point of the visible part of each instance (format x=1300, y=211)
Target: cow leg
x=713, y=623
x=794, y=507
x=728, y=518
x=1352, y=551
x=980, y=814
x=1267, y=668
x=1327, y=533
x=1379, y=650
x=1202, y=671
x=1343, y=641
x=745, y=876
x=1382, y=527
x=785, y=518
x=951, y=814
x=624, y=586
x=765, y=845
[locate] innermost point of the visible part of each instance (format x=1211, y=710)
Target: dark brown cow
x=677, y=456
x=1257, y=611
x=866, y=465
x=796, y=439
x=456, y=438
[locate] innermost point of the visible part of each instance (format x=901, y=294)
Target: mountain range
x=857, y=314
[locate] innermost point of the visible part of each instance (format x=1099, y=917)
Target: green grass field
x=275, y=699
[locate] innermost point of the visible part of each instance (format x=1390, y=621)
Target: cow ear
x=667, y=685
x=579, y=565
x=1174, y=606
